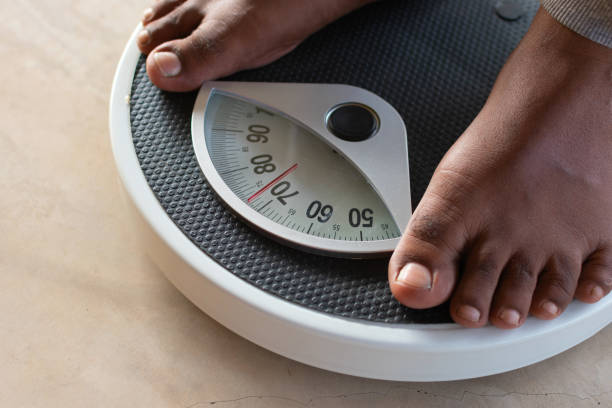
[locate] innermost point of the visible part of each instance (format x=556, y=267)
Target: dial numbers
x=289, y=175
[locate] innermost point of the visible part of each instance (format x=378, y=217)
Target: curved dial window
x=289, y=175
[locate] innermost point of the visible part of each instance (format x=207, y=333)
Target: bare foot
x=517, y=218
x=191, y=41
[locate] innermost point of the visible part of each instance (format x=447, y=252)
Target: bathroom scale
x=273, y=199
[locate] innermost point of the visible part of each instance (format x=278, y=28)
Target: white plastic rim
x=401, y=352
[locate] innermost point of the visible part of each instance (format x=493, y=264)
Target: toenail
x=597, y=293
x=144, y=37
x=168, y=63
x=415, y=275
x=510, y=316
x=468, y=313
x=147, y=15
x=549, y=307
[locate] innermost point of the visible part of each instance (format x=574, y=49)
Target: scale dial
x=287, y=180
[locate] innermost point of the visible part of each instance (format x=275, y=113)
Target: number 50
x=355, y=217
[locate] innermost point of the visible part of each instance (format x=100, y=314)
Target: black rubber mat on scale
x=434, y=61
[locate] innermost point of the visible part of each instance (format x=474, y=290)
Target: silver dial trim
x=382, y=155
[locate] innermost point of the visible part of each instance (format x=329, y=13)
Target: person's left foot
x=518, y=215
x=191, y=41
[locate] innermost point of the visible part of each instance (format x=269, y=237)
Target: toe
x=595, y=281
x=423, y=268
x=514, y=292
x=556, y=286
x=178, y=23
x=472, y=298
x=159, y=9
x=183, y=64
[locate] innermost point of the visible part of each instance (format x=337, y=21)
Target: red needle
x=273, y=182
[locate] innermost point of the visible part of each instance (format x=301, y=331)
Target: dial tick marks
x=273, y=182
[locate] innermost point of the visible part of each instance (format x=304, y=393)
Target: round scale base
x=329, y=313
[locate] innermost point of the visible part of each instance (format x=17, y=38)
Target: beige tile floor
x=87, y=320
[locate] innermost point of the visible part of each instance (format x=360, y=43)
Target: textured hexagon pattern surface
x=434, y=61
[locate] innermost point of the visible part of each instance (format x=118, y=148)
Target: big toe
x=183, y=64
x=423, y=268
x=215, y=49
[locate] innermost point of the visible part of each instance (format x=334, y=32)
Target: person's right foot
x=191, y=41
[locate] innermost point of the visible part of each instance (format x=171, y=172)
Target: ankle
x=548, y=37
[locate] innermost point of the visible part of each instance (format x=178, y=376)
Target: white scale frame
x=401, y=352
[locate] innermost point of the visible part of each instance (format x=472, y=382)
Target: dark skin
x=215, y=38
x=521, y=203
x=523, y=199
